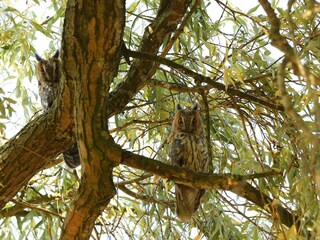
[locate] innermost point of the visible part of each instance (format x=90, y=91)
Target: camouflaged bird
x=49, y=74
x=188, y=149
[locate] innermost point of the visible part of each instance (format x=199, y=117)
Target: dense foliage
x=258, y=87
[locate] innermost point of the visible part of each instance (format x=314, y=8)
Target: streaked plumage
x=188, y=149
x=49, y=74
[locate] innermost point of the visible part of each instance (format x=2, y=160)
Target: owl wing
x=48, y=93
x=187, y=198
x=177, y=150
x=71, y=156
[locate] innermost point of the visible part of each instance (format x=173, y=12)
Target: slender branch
x=133, y=180
x=288, y=106
x=127, y=124
x=241, y=14
x=176, y=87
x=208, y=126
x=221, y=196
x=253, y=79
x=282, y=44
x=203, y=79
x=33, y=207
x=144, y=197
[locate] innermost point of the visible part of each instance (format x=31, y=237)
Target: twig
x=33, y=207
x=203, y=79
x=282, y=44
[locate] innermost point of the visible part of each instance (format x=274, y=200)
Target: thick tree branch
x=142, y=69
x=98, y=57
x=32, y=149
x=235, y=183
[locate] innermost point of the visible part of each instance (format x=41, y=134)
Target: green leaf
x=252, y=10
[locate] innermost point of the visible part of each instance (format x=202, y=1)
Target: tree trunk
x=92, y=35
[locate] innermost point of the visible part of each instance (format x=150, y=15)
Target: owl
x=188, y=149
x=49, y=74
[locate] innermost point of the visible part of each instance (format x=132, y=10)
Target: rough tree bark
x=92, y=38
x=39, y=144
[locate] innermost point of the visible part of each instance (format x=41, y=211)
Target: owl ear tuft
x=195, y=107
x=38, y=57
x=56, y=54
x=178, y=107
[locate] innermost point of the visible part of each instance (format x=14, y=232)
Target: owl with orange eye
x=188, y=149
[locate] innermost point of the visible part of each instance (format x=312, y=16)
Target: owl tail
x=71, y=156
x=188, y=201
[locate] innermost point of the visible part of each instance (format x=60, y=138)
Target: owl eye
x=180, y=121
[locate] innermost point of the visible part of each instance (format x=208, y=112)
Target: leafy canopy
x=264, y=118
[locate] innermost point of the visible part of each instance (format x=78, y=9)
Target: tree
x=259, y=106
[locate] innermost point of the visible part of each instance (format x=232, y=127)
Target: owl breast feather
x=189, y=151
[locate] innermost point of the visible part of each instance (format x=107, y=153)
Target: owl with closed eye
x=49, y=72
x=188, y=149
